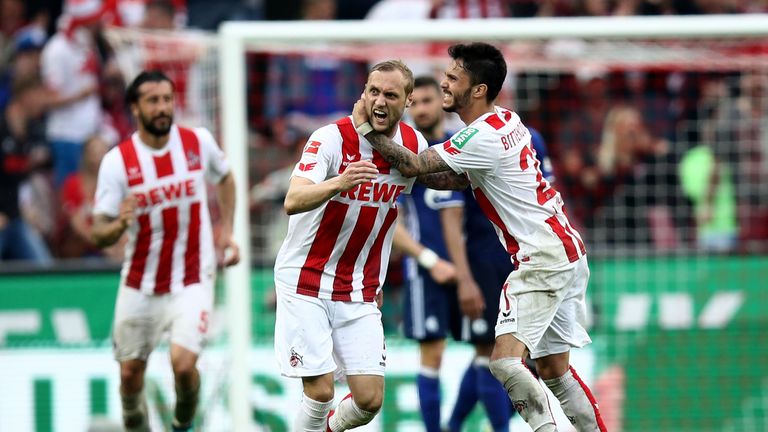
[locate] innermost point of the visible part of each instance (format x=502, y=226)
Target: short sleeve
x=468, y=149
x=216, y=163
x=318, y=156
x=111, y=186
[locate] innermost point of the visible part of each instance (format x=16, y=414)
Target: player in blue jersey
x=482, y=265
x=431, y=308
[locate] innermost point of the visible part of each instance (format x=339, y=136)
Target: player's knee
x=552, y=366
x=185, y=371
x=320, y=393
x=505, y=370
x=370, y=401
x=132, y=376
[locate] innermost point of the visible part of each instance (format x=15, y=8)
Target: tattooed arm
x=446, y=180
x=430, y=168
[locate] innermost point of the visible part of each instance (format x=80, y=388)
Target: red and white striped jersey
x=170, y=244
x=496, y=154
x=340, y=250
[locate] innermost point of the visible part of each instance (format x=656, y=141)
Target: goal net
x=657, y=130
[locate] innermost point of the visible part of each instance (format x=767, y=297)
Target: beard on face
x=151, y=127
x=460, y=100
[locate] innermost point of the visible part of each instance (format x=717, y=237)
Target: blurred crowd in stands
x=659, y=159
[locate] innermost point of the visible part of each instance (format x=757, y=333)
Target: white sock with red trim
x=577, y=402
x=312, y=415
x=348, y=415
x=526, y=393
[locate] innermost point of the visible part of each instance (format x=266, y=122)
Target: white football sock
x=526, y=393
x=312, y=416
x=134, y=412
x=348, y=415
x=577, y=402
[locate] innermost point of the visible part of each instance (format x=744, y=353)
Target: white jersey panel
x=496, y=154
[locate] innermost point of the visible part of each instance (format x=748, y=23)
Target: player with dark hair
x=153, y=186
x=542, y=304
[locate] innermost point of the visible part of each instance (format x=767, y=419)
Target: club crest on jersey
x=463, y=136
x=296, y=359
x=193, y=160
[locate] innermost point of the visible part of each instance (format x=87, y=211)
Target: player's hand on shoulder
x=357, y=173
x=127, y=211
x=443, y=272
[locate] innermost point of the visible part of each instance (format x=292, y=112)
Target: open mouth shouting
x=379, y=118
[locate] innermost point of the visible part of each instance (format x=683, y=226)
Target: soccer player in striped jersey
x=330, y=268
x=542, y=306
x=153, y=187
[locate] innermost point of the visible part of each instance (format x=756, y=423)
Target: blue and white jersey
x=422, y=212
x=480, y=235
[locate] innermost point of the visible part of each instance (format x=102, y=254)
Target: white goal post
x=236, y=38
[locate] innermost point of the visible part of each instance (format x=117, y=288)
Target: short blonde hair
x=396, y=65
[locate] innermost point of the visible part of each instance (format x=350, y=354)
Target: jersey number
x=544, y=192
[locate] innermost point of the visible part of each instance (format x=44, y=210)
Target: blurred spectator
x=70, y=67
x=117, y=118
x=76, y=197
x=136, y=13
x=208, y=15
x=25, y=61
x=578, y=140
x=469, y=9
x=708, y=183
x=309, y=90
x=160, y=15
x=637, y=185
x=22, y=149
x=741, y=132
x=11, y=20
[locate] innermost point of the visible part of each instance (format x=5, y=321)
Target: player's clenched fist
x=357, y=173
x=127, y=211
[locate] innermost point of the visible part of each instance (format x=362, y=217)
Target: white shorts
x=141, y=320
x=546, y=309
x=314, y=337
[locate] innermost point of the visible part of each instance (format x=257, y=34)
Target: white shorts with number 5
x=314, y=337
x=141, y=320
x=546, y=309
